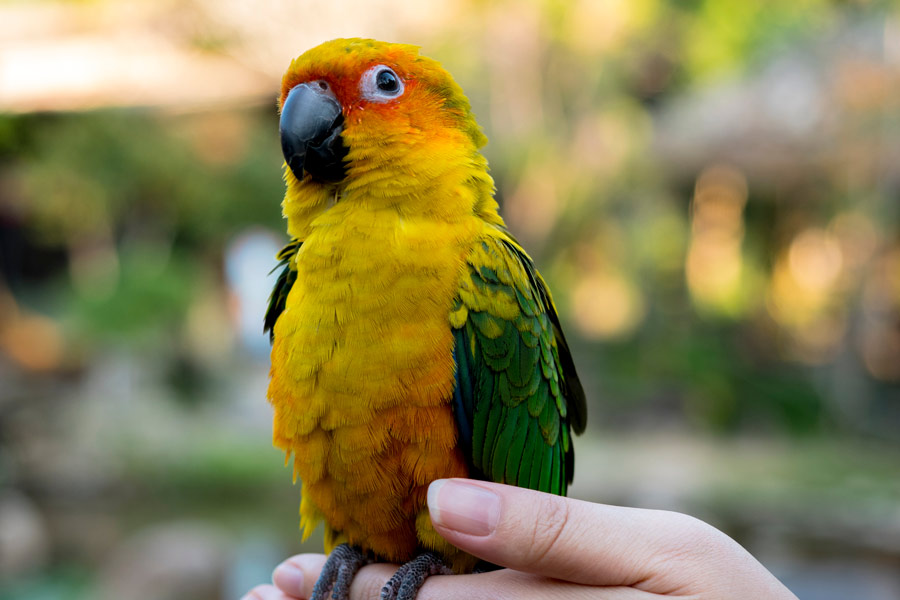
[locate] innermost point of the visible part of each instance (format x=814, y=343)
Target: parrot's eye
x=387, y=81
x=380, y=84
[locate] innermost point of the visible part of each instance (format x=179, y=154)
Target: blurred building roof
x=72, y=56
x=833, y=99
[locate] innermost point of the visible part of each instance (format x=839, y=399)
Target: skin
x=556, y=547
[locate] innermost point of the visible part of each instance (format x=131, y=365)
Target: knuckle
x=547, y=532
x=370, y=589
x=367, y=584
x=257, y=593
x=690, y=539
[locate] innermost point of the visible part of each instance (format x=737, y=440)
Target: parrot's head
x=374, y=117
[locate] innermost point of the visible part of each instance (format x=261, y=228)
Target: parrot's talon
x=337, y=574
x=405, y=583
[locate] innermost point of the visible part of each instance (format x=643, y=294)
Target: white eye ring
x=380, y=84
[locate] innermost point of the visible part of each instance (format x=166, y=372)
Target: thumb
x=567, y=539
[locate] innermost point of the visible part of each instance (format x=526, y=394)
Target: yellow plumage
x=362, y=372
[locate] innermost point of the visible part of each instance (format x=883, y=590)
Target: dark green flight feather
x=283, y=285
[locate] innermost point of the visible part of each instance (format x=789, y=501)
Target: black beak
x=311, y=126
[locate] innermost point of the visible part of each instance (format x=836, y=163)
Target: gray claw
x=338, y=572
x=405, y=583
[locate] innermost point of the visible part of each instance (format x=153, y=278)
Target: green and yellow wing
x=517, y=396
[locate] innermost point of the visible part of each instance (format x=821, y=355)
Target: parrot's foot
x=337, y=574
x=405, y=583
x=484, y=566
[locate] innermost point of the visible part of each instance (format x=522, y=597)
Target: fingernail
x=288, y=577
x=463, y=507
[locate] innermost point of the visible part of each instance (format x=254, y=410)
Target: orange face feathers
x=342, y=62
x=431, y=100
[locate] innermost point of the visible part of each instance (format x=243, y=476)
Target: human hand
x=555, y=547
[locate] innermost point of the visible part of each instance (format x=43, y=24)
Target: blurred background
x=711, y=188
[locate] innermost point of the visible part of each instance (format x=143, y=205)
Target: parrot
x=413, y=339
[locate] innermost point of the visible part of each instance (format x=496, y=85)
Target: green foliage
x=142, y=202
x=62, y=583
x=149, y=291
x=103, y=172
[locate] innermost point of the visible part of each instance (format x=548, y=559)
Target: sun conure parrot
x=413, y=338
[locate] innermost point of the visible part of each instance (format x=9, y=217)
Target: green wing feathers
x=518, y=396
x=283, y=285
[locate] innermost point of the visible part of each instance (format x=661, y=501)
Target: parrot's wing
x=283, y=284
x=517, y=394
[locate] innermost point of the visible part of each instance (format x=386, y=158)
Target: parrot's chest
x=363, y=374
x=368, y=316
